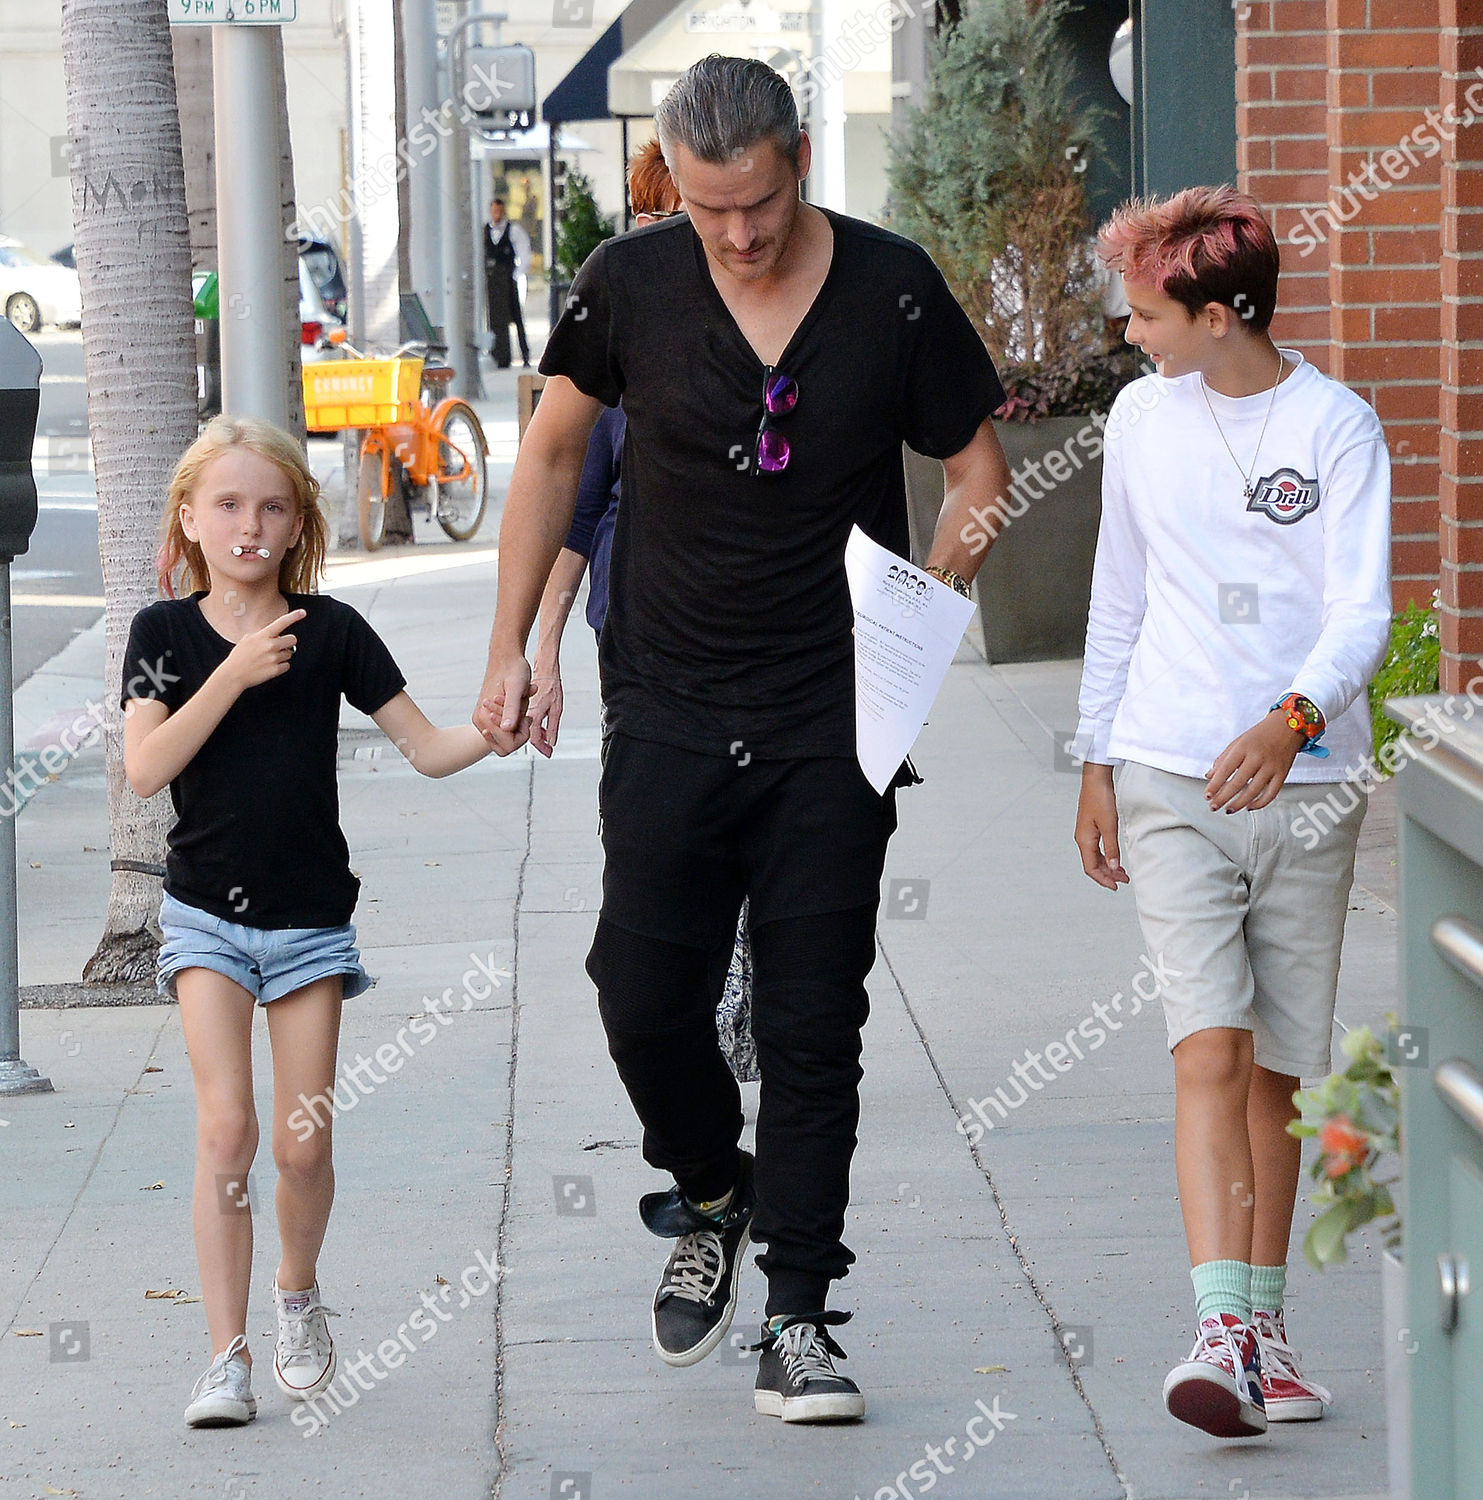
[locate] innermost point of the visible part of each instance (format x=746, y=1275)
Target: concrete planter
x=1035, y=588
x=1398, y=1349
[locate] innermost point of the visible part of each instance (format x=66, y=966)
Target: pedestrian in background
x=506, y=259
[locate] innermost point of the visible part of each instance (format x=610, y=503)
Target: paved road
x=57, y=585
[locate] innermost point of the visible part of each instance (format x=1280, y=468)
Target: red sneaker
x=1219, y=1387
x=1290, y=1396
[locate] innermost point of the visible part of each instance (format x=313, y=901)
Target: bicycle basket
x=360, y=392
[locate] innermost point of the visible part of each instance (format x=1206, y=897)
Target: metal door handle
x=1452, y=1279
x=1462, y=1090
x=1461, y=944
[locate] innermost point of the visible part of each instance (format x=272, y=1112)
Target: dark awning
x=583, y=93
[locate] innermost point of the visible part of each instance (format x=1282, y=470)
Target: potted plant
x=989, y=177
x=1356, y=1118
x=580, y=228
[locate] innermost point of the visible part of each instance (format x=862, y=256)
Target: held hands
x=543, y=714
x=1250, y=771
x=266, y=653
x=500, y=715
x=1096, y=828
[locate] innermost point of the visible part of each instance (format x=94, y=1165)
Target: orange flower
x=1344, y=1147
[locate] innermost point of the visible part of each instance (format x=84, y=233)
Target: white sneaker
x=1290, y=1396
x=304, y=1354
x=223, y=1397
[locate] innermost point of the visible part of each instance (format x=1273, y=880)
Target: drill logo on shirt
x=1285, y=496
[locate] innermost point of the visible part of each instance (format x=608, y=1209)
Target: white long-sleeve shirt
x=1206, y=607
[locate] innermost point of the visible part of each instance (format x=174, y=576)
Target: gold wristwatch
x=955, y=581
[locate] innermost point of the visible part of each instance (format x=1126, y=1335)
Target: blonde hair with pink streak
x=1202, y=245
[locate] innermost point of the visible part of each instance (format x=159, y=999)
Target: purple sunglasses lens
x=773, y=452
x=782, y=395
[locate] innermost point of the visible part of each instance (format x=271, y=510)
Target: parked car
x=323, y=261
x=317, y=316
x=34, y=291
x=316, y=323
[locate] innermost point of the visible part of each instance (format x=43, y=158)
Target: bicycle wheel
x=458, y=489
x=371, y=495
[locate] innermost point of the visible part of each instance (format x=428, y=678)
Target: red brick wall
x=1330, y=97
x=1384, y=281
x=1282, y=151
x=1461, y=435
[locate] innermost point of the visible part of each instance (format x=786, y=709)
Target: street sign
x=239, y=12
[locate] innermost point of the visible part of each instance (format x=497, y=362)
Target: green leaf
x=1324, y=1242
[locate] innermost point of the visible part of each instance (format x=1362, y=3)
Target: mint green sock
x=1222, y=1286
x=1268, y=1283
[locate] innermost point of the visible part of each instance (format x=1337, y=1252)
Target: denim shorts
x=268, y=963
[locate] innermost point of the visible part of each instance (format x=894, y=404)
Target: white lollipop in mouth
x=251, y=551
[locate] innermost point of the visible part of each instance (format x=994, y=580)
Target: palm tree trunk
x=133, y=259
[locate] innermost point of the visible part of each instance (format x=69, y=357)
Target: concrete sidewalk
x=1017, y=1302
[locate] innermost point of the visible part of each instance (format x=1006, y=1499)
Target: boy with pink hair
x=1240, y=605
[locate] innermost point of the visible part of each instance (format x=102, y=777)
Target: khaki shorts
x=1246, y=909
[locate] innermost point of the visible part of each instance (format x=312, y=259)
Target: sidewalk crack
x=502, y=1457
x=1009, y=1234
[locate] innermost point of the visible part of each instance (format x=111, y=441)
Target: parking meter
x=20, y=399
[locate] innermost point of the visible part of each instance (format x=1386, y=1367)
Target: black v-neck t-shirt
x=729, y=619
x=257, y=839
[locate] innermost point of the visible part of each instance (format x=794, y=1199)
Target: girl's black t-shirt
x=257, y=839
x=729, y=627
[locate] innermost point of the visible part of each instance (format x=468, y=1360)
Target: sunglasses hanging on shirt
x=779, y=397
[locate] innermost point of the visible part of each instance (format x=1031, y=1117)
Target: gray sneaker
x=796, y=1379
x=223, y=1397
x=696, y=1299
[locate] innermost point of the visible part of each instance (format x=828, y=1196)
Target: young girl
x=232, y=698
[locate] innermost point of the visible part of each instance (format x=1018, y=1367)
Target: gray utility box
x=1437, y=1051
x=1035, y=589
x=20, y=398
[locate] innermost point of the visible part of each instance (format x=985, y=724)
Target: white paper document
x=907, y=629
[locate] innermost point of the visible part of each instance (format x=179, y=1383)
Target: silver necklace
x=1271, y=401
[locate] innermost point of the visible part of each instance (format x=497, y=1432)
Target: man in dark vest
x=506, y=254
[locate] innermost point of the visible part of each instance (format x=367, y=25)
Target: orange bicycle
x=434, y=453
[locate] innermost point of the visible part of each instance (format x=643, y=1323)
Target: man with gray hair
x=771, y=357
